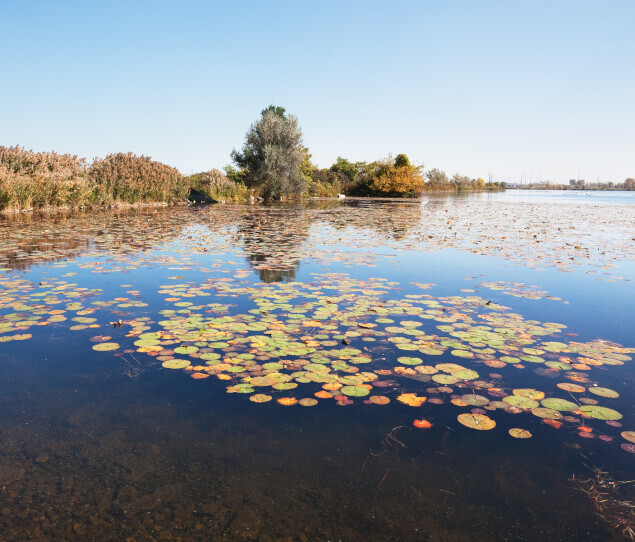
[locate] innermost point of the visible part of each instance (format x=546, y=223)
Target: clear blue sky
x=534, y=88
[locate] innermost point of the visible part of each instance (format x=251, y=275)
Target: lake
x=448, y=369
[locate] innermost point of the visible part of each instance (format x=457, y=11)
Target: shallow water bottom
x=105, y=457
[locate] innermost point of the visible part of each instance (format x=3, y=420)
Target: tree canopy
x=273, y=155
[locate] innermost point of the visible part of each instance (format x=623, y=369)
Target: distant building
x=571, y=182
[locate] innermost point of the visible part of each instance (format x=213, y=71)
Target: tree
x=438, y=177
x=396, y=178
x=272, y=155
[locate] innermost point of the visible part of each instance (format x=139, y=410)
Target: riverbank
x=32, y=181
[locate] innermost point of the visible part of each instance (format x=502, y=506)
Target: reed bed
x=37, y=180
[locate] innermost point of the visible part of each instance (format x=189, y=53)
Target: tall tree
x=273, y=154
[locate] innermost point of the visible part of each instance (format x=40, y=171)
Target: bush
x=40, y=179
x=396, y=178
x=216, y=185
x=125, y=177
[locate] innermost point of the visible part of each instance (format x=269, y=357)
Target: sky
x=503, y=90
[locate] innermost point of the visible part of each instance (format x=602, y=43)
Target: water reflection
x=272, y=241
x=35, y=239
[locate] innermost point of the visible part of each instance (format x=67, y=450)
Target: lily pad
x=409, y=360
x=106, y=347
x=574, y=388
x=559, y=404
x=355, y=391
x=475, y=400
x=465, y=374
x=546, y=413
x=445, y=379
x=517, y=432
x=480, y=422
x=603, y=392
x=529, y=393
x=260, y=398
x=601, y=413
x=176, y=364
x=520, y=402
x=628, y=435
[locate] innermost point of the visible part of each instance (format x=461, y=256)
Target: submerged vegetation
x=613, y=500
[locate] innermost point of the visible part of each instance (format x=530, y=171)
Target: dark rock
x=196, y=196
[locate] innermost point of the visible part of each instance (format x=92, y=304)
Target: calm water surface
x=115, y=432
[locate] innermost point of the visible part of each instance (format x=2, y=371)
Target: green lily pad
x=445, y=379
x=601, y=413
x=520, y=402
x=176, y=364
x=355, y=391
x=603, y=392
x=106, y=347
x=559, y=404
x=546, y=413
x=409, y=361
x=466, y=374
x=475, y=400
x=186, y=349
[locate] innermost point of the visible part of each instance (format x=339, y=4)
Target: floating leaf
x=529, y=393
x=409, y=360
x=176, y=364
x=465, y=374
x=628, y=435
x=422, y=424
x=355, y=391
x=517, y=432
x=260, y=398
x=546, y=413
x=445, y=379
x=106, y=347
x=186, y=349
x=601, y=413
x=559, y=404
x=411, y=399
x=520, y=402
x=574, y=388
x=603, y=392
x=480, y=422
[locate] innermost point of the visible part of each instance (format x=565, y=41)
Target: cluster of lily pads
x=519, y=289
x=345, y=340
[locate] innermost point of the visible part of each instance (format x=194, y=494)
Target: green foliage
x=276, y=110
x=327, y=183
x=402, y=161
x=218, y=186
x=272, y=155
x=235, y=174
